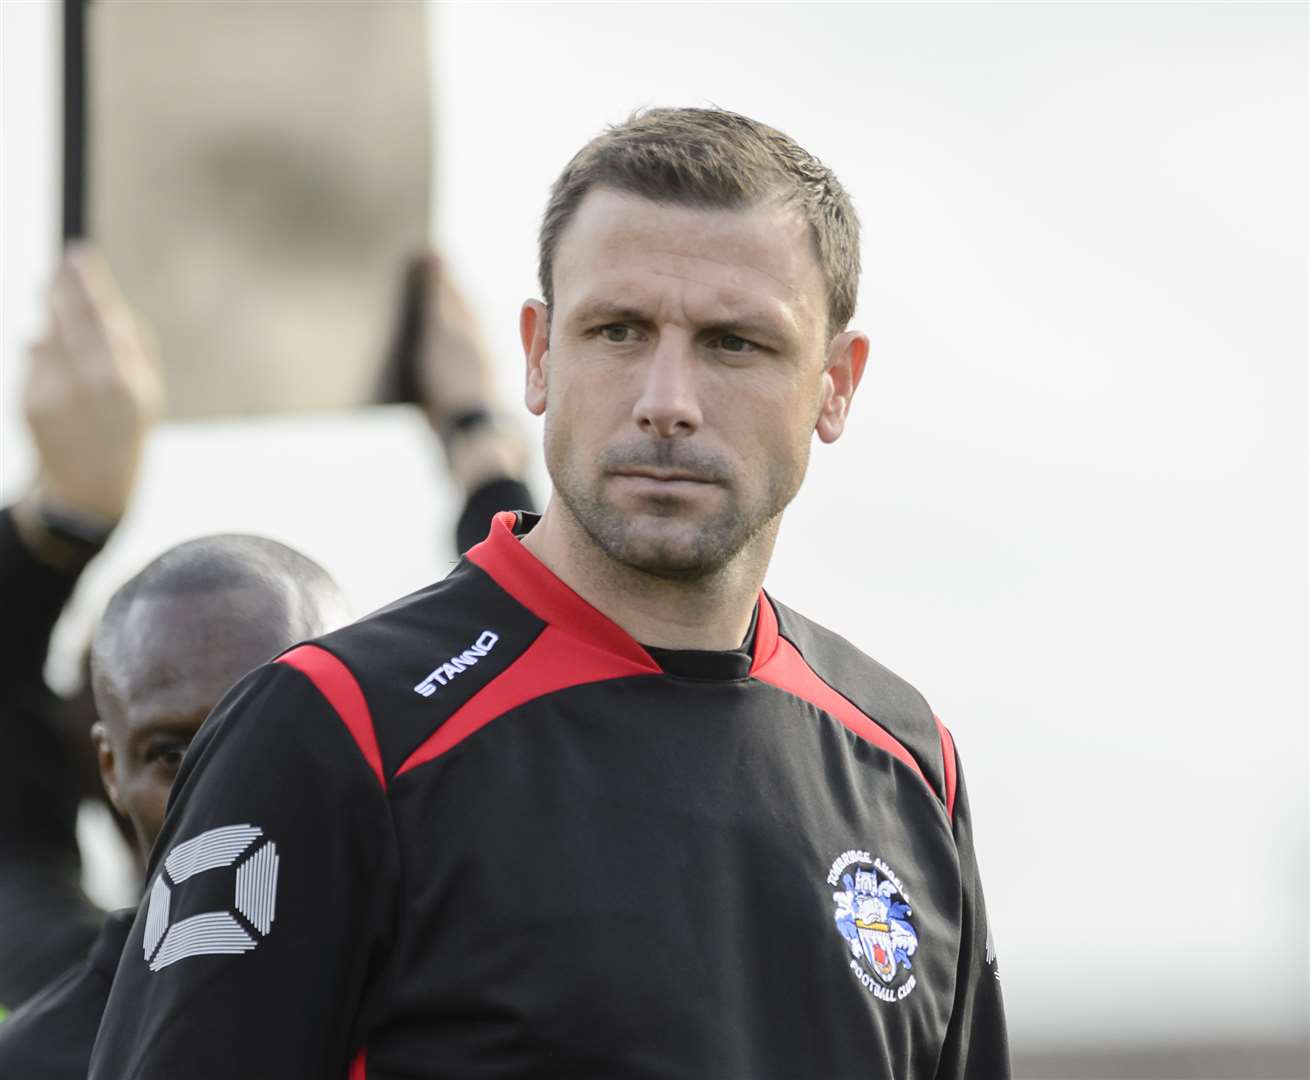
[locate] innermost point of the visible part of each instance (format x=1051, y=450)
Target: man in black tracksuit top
x=595, y=805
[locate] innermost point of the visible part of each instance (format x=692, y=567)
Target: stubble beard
x=664, y=540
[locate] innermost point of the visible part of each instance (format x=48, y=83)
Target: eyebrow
x=607, y=311
x=174, y=727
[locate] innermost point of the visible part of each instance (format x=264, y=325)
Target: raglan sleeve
x=977, y=1044
x=269, y=901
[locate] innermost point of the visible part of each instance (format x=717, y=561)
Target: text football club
x=873, y=916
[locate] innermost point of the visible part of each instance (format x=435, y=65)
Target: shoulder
x=889, y=700
x=396, y=675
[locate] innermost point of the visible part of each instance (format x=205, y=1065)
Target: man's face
x=176, y=658
x=682, y=374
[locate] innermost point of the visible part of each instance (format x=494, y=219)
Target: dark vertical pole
x=75, y=113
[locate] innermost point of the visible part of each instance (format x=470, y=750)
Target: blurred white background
x=1072, y=507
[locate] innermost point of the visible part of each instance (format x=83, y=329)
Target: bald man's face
x=171, y=661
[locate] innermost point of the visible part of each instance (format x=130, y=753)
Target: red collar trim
x=521, y=574
x=766, y=633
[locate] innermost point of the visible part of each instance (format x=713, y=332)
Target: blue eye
x=616, y=333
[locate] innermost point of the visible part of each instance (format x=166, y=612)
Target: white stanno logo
x=444, y=672
x=212, y=932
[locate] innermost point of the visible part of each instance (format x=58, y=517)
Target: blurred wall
x=1072, y=504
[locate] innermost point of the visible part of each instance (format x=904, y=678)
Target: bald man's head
x=174, y=639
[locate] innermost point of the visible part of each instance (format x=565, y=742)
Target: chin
x=674, y=564
x=678, y=550
x=677, y=539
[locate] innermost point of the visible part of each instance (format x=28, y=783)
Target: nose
x=667, y=406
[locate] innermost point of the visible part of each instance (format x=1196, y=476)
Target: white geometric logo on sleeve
x=212, y=932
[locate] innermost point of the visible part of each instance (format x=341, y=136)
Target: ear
x=104, y=748
x=534, y=331
x=843, y=370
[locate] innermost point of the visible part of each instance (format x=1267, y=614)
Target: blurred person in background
x=92, y=394
x=595, y=804
x=171, y=642
x=456, y=390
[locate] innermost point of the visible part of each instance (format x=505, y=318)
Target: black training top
x=483, y=833
x=50, y=1037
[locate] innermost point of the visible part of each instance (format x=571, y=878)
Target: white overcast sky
x=1072, y=505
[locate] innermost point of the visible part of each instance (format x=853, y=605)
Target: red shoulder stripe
x=555, y=661
x=358, y=1067
x=948, y=767
x=789, y=671
x=335, y=682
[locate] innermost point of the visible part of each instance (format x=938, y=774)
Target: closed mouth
x=666, y=477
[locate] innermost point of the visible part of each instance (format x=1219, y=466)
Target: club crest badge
x=873, y=915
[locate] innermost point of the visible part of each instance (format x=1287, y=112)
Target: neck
x=711, y=612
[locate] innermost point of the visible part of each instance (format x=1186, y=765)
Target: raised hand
x=457, y=386
x=93, y=390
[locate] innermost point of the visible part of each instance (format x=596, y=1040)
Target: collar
x=521, y=574
x=710, y=665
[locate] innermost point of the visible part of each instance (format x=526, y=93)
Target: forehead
x=176, y=656
x=621, y=247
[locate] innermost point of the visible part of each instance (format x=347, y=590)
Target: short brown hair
x=712, y=159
